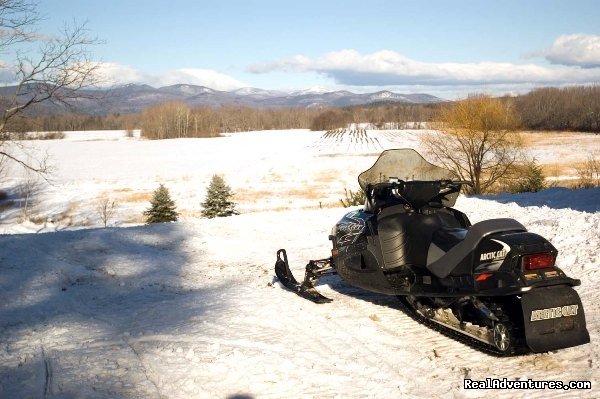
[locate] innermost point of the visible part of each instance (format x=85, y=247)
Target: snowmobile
x=492, y=284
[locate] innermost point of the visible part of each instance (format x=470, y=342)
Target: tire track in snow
x=47, y=374
x=392, y=331
x=147, y=372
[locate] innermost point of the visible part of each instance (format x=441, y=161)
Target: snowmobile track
x=462, y=338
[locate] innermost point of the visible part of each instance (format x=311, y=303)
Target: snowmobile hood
x=405, y=164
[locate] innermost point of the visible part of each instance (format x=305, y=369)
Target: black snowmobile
x=492, y=284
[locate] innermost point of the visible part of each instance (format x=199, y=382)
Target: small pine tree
x=162, y=207
x=533, y=179
x=353, y=198
x=218, y=199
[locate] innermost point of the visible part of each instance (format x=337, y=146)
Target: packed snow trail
x=191, y=309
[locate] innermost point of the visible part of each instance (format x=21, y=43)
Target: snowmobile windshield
x=405, y=164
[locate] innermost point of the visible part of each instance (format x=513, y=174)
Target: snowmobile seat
x=446, y=238
x=444, y=265
x=450, y=233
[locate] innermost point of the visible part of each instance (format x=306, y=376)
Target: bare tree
x=56, y=72
x=3, y=162
x=477, y=140
x=28, y=188
x=567, y=108
x=106, y=209
x=589, y=172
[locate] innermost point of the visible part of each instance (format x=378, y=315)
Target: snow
x=249, y=91
x=186, y=310
x=565, y=147
x=96, y=135
x=383, y=95
x=289, y=169
x=192, y=309
x=554, y=197
x=312, y=90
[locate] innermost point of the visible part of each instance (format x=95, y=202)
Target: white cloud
x=111, y=73
x=575, y=50
x=348, y=67
x=117, y=74
x=8, y=73
x=297, y=63
x=201, y=77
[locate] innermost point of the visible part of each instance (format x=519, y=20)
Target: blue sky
x=447, y=48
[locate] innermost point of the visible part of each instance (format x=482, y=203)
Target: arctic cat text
x=554, y=313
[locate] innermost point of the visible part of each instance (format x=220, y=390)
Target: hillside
x=134, y=98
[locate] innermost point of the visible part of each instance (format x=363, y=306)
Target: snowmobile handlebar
x=446, y=183
x=398, y=183
x=415, y=193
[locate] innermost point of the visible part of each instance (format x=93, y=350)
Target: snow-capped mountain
x=134, y=98
x=311, y=90
x=253, y=91
x=387, y=95
x=189, y=90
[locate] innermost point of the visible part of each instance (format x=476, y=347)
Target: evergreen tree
x=533, y=179
x=162, y=207
x=218, y=199
x=353, y=198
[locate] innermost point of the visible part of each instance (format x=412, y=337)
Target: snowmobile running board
x=314, y=270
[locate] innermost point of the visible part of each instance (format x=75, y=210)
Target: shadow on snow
x=88, y=296
x=583, y=200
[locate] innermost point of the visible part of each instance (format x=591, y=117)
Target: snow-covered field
x=191, y=309
x=269, y=170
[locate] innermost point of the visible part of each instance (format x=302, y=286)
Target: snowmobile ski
x=306, y=289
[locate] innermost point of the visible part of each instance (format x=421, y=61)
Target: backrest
x=416, y=194
x=419, y=193
x=405, y=237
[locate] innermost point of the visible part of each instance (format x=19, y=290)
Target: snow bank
x=189, y=309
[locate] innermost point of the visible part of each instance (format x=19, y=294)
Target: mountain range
x=135, y=97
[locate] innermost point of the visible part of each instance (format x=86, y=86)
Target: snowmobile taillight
x=538, y=261
x=483, y=276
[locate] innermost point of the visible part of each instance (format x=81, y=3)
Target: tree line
x=574, y=108
x=379, y=116
x=570, y=108
x=173, y=120
x=178, y=120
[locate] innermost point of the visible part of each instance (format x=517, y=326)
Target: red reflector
x=483, y=276
x=538, y=261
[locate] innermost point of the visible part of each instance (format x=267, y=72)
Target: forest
x=565, y=109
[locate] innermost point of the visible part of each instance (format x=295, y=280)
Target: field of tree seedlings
x=347, y=140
